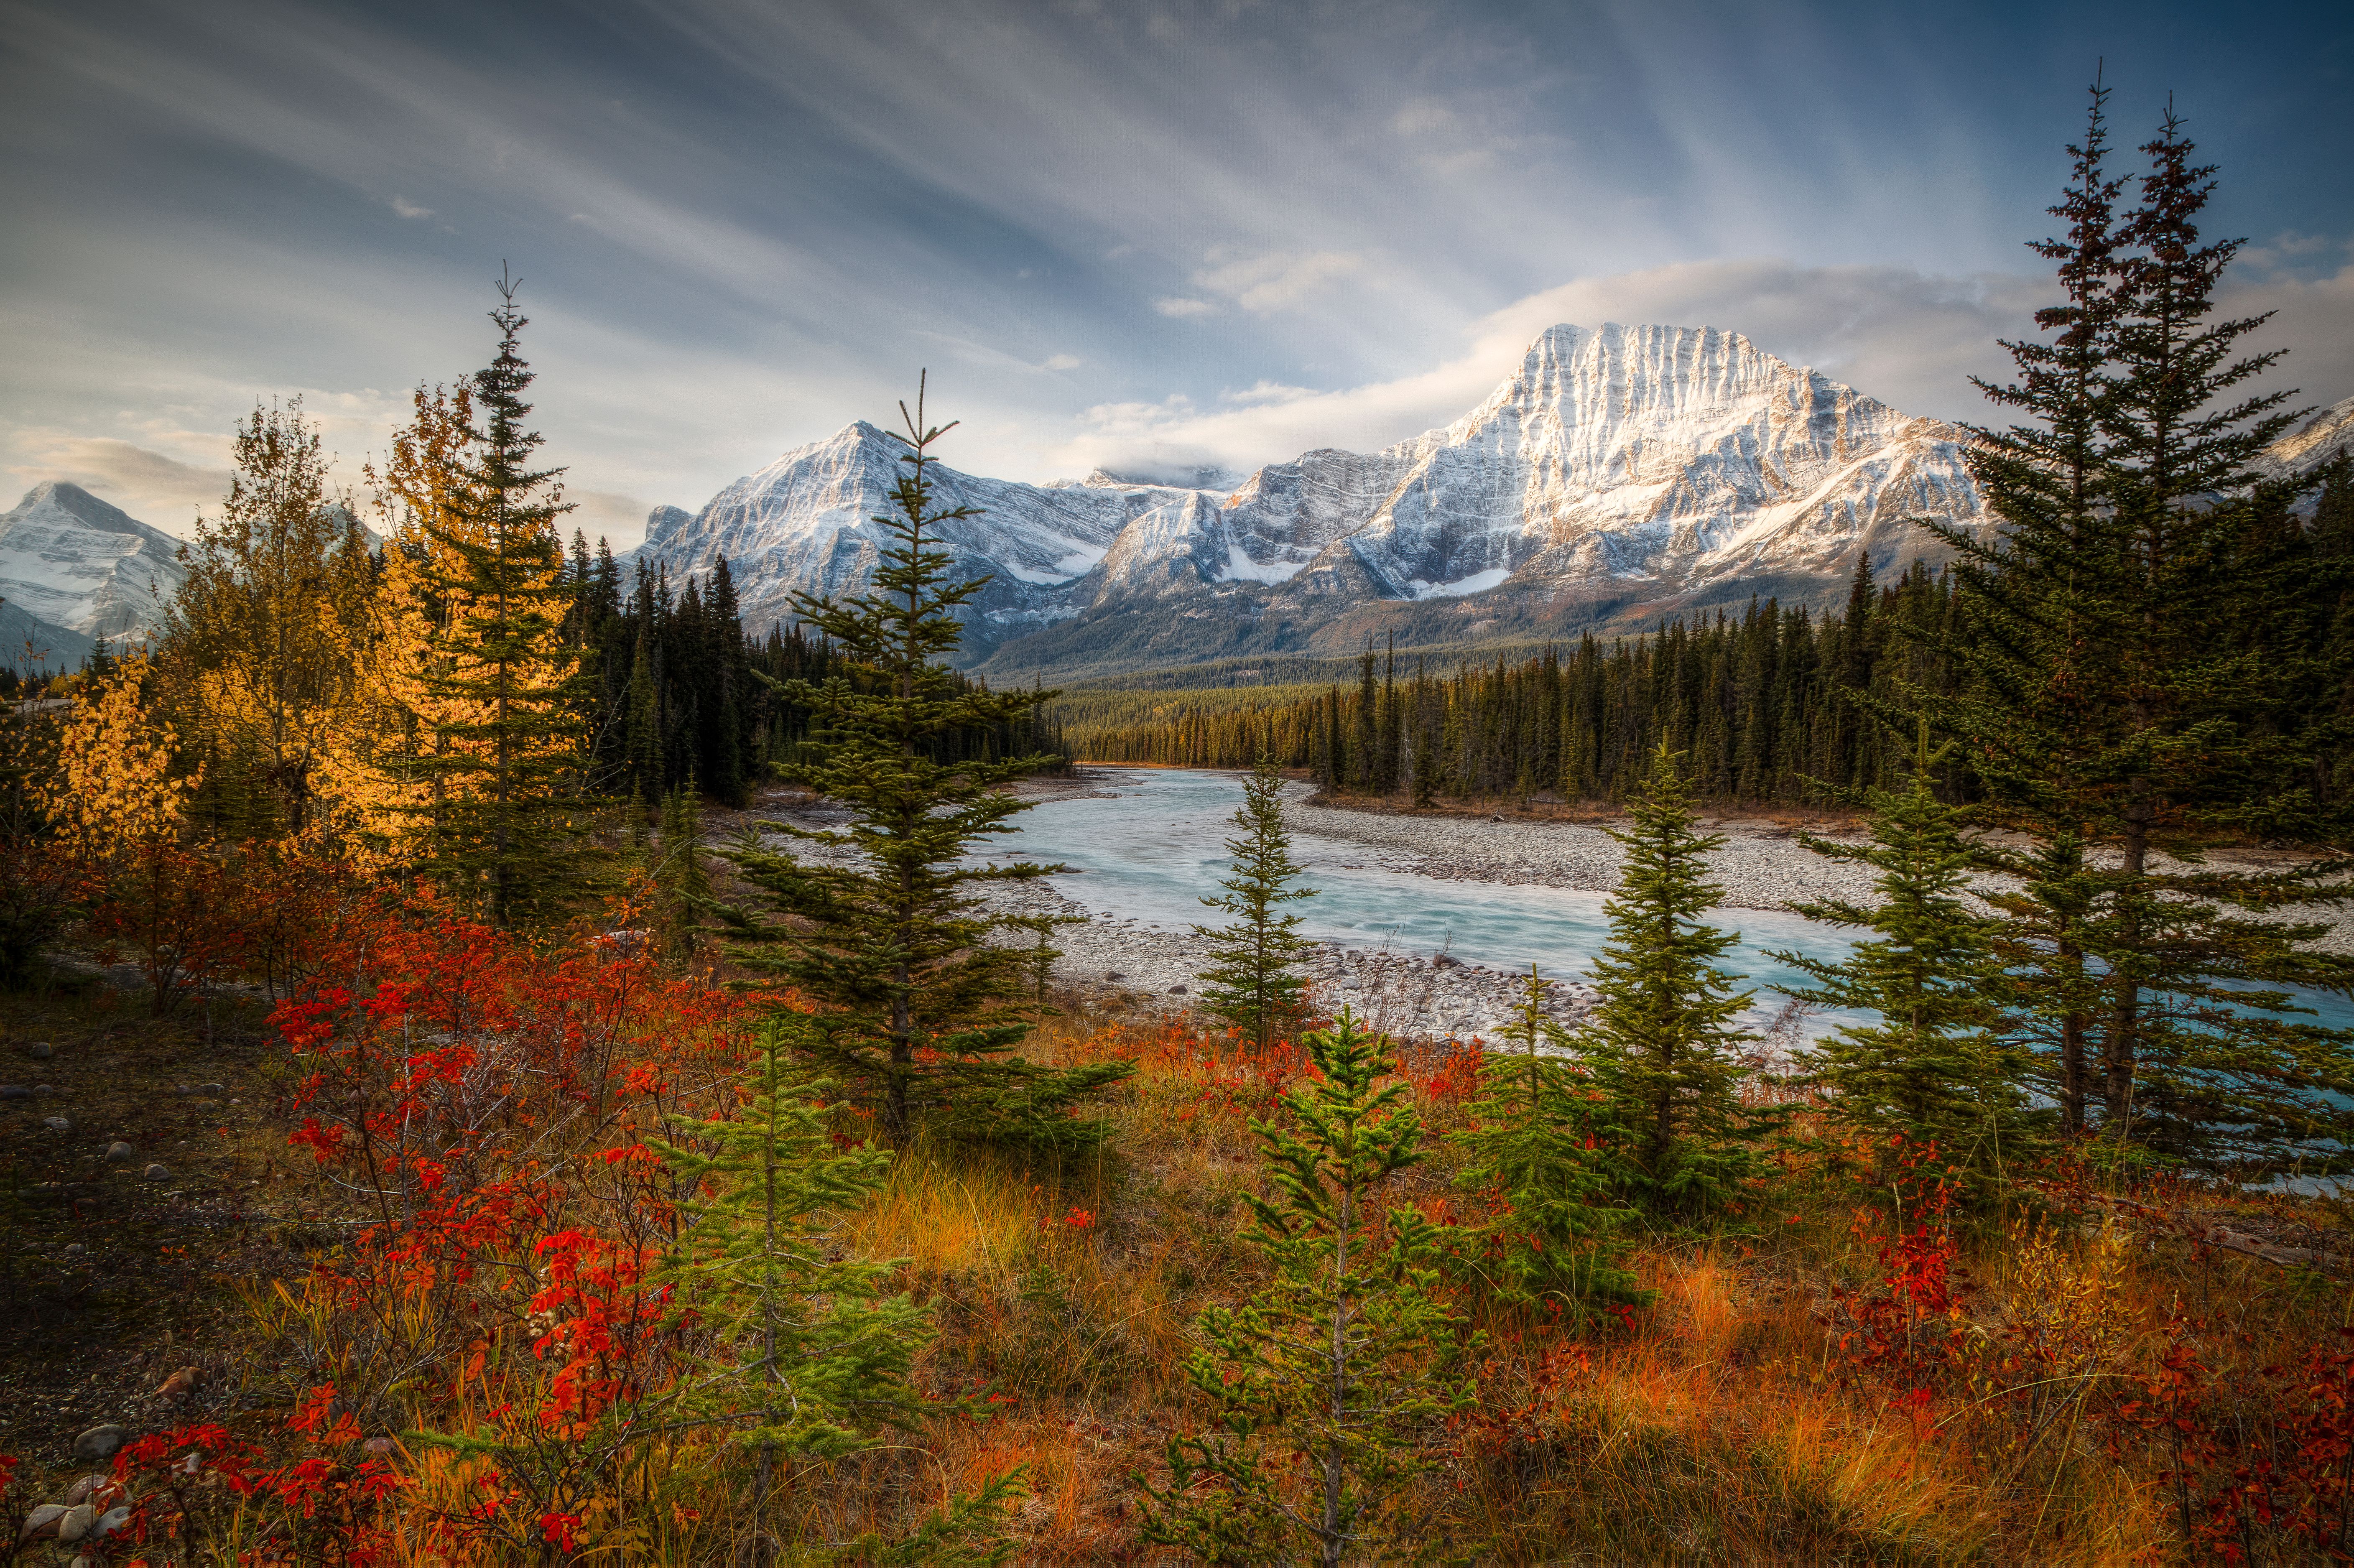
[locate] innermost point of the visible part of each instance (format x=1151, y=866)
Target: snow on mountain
x=71, y=561
x=1670, y=457
x=1619, y=473
x=28, y=644
x=805, y=523
x=2317, y=441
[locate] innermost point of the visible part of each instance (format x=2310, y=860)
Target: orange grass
x=1720, y=1424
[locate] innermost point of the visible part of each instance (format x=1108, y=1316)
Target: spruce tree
x=1934, y=1067
x=1661, y=1045
x=1538, y=1145
x=1321, y=1384
x=1250, y=982
x=811, y=1349
x=916, y=1003
x=682, y=883
x=499, y=824
x=2113, y=711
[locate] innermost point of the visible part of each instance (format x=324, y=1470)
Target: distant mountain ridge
x=1620, y=472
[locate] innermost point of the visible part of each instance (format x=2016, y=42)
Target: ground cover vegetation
x=556, y=1178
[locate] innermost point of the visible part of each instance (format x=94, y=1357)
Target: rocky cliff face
x=1619, y=466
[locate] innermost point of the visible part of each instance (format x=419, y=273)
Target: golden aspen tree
x=261, y=645
x=116, y=785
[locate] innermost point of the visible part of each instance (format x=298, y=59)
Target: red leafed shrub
x=1904, y=1327
x=2247, y=1468
x=488, y=1107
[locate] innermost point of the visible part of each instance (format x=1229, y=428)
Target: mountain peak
x=70, y=498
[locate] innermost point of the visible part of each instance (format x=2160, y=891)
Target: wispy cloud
x=152, y=487
x=1279, y=279
x=743, y=225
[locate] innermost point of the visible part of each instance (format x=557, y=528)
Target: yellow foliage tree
x=116, y=789
x=262, y=648
x=470, y=733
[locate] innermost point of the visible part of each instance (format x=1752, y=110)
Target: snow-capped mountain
x=805, y=523
x=2311, y=444
x=73, y=563
x=1620, y=473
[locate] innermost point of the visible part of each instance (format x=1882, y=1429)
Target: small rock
x=77, y=1523
x=15, y=1092
x=378, y=1446
x=43, y=1089
x=1115, y=975
x=179, y=1382
x=214, y=1089
x=42, y=1523
x=119, y=1151
x=80, y=1491
x=156, y=1173
x=57, y=1124
x=110, y=1522
x=40, y=1050
x=98, y=1443
x=75, y=1249
x=1177, y=990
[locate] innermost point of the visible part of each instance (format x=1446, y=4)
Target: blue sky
x=1134, y=235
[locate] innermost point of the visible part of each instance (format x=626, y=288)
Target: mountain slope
x=1621, y=473
x=805, y=523
x=71, y=560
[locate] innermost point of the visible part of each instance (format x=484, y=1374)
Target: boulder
x=99, y=1443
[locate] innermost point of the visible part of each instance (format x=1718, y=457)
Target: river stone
x=77, y=1523
x=99, y=1443
x=110, y=1522
x=156, y=1173
x=216, y=1090
x=42, y=1520
x=40, y=1050
x=57, y=1124
x=120, y=1152
x=81, y=1489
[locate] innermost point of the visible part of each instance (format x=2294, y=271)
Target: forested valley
x=505, y=1066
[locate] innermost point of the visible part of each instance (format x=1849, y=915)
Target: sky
x=1143, y=237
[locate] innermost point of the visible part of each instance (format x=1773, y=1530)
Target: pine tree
x=1343, y=1361
x=1934, y=1066
x=1250, y=982
x=915, y=1002
x=1537, y=1147
x=812, y=1349
x=1661, y=1045
x=499, y=825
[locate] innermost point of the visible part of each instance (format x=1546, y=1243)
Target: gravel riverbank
x=1763, y=865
